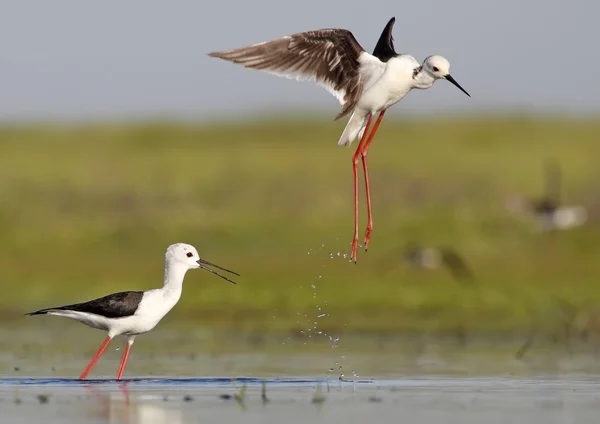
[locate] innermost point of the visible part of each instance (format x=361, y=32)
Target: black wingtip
x=384, y=49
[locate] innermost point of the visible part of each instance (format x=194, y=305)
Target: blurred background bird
x=419, y=257
x=548, y=209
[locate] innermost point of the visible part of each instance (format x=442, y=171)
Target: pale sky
x=80, y=60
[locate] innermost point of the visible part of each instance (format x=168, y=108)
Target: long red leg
x=124, y=359
x=363, y=156
x=355, y=172
x=97, y=356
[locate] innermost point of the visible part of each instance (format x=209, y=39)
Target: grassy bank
x=89, y=210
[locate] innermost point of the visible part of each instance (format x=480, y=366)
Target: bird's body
x=365, y=84
x=387, y=84
x=132, y=313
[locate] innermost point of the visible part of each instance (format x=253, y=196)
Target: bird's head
x=438, y=67
x=187, y=256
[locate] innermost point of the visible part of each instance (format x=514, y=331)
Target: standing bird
x=364, y=83
x=136, y=312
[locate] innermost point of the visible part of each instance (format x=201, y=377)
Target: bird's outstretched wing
x=384, y=50
x=549, y=201
x=114, y=305
x=330, y=57
x=552, y=181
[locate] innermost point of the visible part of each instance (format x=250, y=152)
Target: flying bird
x=365, y=84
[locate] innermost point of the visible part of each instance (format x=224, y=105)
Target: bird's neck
x=174, y=274
x=423, y=80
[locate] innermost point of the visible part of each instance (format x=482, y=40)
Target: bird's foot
x=368, y=236
x=354, y=249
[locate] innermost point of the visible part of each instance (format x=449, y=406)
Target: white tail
x=354, y=127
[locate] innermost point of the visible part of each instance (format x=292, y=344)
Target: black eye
x=436, y=69
x=189, y=254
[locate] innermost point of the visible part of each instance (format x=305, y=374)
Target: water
x=414, y=400
x=196, y=375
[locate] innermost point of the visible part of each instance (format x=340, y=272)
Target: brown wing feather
x=330, y=57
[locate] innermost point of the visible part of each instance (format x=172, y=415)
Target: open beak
x=205, y=266
x=453, y=81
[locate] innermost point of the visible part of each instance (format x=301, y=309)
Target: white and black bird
x=421, y=257
x=131, y=313
x=365, y=84
x=548, y=209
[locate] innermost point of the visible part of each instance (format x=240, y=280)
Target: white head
x=187, y=256
x=438, y=67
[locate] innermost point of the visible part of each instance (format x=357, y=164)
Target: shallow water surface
x=412, y=399
x=181, y=376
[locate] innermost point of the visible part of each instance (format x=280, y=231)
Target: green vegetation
x=88, y=210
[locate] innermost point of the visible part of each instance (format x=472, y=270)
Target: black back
x=116, y=305
x=384, y=49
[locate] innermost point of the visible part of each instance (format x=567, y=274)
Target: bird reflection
x=124, y=407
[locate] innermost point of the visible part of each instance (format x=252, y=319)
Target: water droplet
x=118, y=349
x=313, y=286
x=330, y=369
x=320, y=316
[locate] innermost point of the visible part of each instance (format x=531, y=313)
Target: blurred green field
x=87, y=210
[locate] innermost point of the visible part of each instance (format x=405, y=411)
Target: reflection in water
x=124, y=407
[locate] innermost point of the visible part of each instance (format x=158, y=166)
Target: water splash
x=312, y=329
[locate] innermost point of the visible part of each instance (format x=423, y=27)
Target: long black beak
x=453, y=81
x=205, y=266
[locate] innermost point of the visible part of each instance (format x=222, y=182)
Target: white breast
x=154, y=306
x=395, y=82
